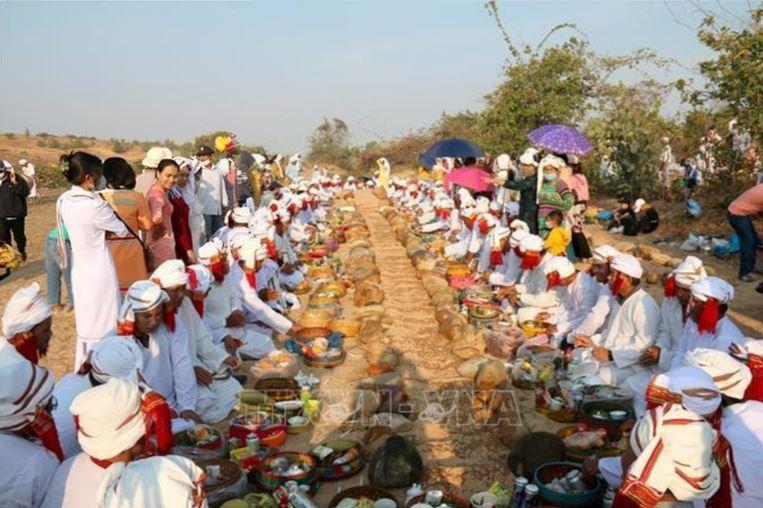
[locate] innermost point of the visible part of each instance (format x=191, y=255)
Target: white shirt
x=577, y=300
x=212, y=193
x=26, y=470
x=669, y=331
x=75, y=484
x=507, y=273
x=742, y=425
x=255, y=309
x=598, y=314
x=726, y=333
x=168, y=367
x=65, y=391
x=94, y=279
x=632, y=329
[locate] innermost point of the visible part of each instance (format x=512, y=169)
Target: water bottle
x=531, y=491
x=517, y=497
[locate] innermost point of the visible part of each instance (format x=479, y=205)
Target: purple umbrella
x=560, y=139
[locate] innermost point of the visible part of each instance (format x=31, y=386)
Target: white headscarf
x=253, y=250
x=109, y=418
x=142, y=295
x=689, y=271
x=627, y=264
x=560, y=265
x=605, y=253
x=25, y=310
x=730, y=376
x=170, y=274
x=24, y=387
x=503, y=162
x=528, y=157
x=209, y=251
x=712, y=287
x=682, y=379
x=116, y=357
x=199, y=278
x=156, y=481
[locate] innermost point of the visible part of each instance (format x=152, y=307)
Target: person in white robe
x=482, y=225
x=577, y=293
x=27, y=466
x=291, y=273
x=27, y=322
x=111, y=357
x=236, y=219
x=598, y=316
x=113, y=420
x=742, y=426
x=95, y=287
x=708, y=326
x=509, y=271
x=492, y=254
x=217, y=390
x=532, y=280
x=167, y=363
x=671, y=448
x=166, y=482
x=632, y=329
x=461, y=230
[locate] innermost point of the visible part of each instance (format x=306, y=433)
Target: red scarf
x=169, y=317
x=199, y=306
x=193, y=281
x=553, y=280
x=755, y=390
x=442, y=213
x=530, y=260
x=618, y=283
x=26, y=346
x=670, y=287
x=44, y=428
x=484, y=226
x=708, y=316
x=496, y=257
x=125, y=328
x=252, y=278
x=158, y=419
x=218, y=270
x=469, y=221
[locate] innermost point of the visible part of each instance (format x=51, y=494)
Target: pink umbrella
x=471, y=178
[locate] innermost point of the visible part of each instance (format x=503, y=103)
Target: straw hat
x=155, y=155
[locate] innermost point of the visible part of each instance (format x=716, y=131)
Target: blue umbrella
x=453, y=147
x=560, y=139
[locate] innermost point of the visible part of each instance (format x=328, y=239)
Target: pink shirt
x=579, y=184
x=750, y=202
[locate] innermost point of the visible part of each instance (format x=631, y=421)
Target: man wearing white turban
x=577, y=293
x=111, y=357
x=117, y=422
x=217, y=389
x=27, y=322
x=632, y=328
x=167, y=363
x=27, y=466
x=707, y=325
x=597, y=318
x=509, y=271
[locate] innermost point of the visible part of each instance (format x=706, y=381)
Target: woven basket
x=313, y=332
x=336, y=288
x=278, y=388
x=315, y=318
x=347, y=327
x=367, y=491
x=320, y=272
x=321, y=299
x=325, y=363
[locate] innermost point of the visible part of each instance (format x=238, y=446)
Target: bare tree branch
x=492, y=8
x=676, y=19
x=557, y=28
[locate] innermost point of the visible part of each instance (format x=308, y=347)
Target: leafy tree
x=330, y=143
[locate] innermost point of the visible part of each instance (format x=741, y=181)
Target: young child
x=559, y=237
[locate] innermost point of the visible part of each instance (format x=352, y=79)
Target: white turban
x=483, y=205
x=142, y=295
x=552, y=161
x=516, y=237
x=24, y=387
x=528, y=157
x=500, y=233
x=689, y=271
x=253, y=250
x=517, y=224
x=208, y=252
x=25, y=310
x=156, y=481
x=532, y=243
x=109, y=418
x=241, y=215
x=627, y=264
x=503, y=161
x=560, y=265
x=237, y=238
x=199, y=278
x=170, y=274
x=259, y=229
x=116, y=357
x=605, y=253
x=730, y=376
x=712, y=287
x=465, y=197
x=682, y=379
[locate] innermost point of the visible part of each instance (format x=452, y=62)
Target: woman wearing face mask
x=131, y=207
x=94, y=280
x=161, y=240
x=553, y=193
x=181, y=214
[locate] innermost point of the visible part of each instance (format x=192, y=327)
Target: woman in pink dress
x=161, y=240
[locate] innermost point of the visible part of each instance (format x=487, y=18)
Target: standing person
x=740, y=214
x=54, y=272
x=161, y=239
x=666, y=161
x=527, y=187
x=94, y=279
x=132, y=209
x=31, y=176
x=13, y=195
x=553, y=192
x=181, y=216
x=212, y=192
x=578, y=181
x=153, y=157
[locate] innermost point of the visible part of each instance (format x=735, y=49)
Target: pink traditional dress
x=162, y=248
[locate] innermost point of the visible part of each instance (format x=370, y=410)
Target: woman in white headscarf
x=384, y=172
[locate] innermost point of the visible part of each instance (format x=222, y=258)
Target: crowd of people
x=172, y=288
x=179, y=274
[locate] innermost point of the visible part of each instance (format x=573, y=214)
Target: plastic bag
x=501, y=346
x=276, y=364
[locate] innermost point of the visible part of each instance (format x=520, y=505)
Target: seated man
x=708, y=326
x=532, y=281
x=596, y=320
x=509, y=271
x=492, y=254
x=111, y=357
x=116, y=424
x=632, y=329
x=28, y=439
x=27, y=323
x=576, y=292
x=167, y=364
x=217, y=389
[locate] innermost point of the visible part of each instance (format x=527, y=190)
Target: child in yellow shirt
x=558, y=238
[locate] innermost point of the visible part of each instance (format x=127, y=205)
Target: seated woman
x=624, y=219
x=648, y=218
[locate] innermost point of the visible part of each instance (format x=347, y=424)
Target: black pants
x=16, y=228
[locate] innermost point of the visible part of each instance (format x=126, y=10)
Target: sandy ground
x=458, y=455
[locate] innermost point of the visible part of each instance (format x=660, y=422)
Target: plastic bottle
x=531, y=492
x=517, y=497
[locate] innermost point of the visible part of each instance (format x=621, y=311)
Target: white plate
x=288, y=405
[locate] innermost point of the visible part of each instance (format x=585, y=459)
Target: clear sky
x=270, y=71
